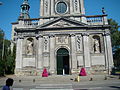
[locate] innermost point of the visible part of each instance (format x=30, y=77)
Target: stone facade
x=62, y=41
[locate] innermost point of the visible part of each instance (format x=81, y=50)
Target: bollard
x=105, y=78
x=91, y=79
x=63, y=72
x=75, y=80
x=19, y=81
x=33, y=80
x=78, y=78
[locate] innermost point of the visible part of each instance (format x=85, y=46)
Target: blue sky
x=10, y=10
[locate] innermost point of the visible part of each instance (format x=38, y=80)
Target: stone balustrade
x=96, y=20
x=28, y=23
x=91, y=20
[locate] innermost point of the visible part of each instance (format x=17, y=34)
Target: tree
x=1, y=49
x=115, y=38
x=7, y=58
x=10, y=63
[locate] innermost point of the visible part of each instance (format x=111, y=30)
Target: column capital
x=106, y=34
x=85, y=34
x=72, y=35
x=52, y=35
x=20, y=37
x=39, y=36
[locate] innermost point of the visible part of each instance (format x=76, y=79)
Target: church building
x=63, y=40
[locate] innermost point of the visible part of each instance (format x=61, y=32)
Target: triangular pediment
x=62, y=23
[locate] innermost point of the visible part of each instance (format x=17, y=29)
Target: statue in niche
x=29, y=47
x=96, y=46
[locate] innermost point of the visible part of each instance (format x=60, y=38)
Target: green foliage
x=7, y=61
x=1, y=46
x=10, y=63
x=115, y=38
x=115, y=33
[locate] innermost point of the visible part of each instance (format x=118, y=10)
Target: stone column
x=86, y=50
x=52, y=54
x=19, y=53
x=40, y=55
x=108, y=51
x=73, y=52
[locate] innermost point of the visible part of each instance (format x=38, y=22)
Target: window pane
x=61, y=7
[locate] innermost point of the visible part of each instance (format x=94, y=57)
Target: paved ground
x=66, y=82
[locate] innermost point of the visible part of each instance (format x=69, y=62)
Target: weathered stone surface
x=85, y=38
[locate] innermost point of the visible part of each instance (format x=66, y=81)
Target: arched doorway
x=62, y=61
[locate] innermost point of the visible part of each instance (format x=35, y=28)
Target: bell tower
x=25, y=10
x=51, y=8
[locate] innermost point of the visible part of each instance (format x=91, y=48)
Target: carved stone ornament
x=85, y=34
x=61, y=24
x=79, y=42
x=46, y=42
x=46, y=5
x=20, y=37
x=62, y=39
x=75, y=4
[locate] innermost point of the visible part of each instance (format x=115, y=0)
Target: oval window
x=61, y=7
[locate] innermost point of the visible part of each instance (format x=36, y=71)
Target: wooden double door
x=62, y=61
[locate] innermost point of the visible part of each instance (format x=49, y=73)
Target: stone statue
x=29, y=47
x=96, y=46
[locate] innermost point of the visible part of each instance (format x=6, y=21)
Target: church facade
x=62, y=40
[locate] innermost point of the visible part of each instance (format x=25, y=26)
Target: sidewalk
x=55, y=79
x=59, y=82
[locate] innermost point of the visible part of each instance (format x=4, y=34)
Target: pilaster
x=40, y=49
x=108, y=51
x=71, y=9
x=41, y=8
x=52, y=53
x=73, y=52
x=19, y=53
x=82, y=7
x=52, y=7
x=86, y=50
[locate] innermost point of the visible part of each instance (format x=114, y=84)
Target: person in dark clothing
x=9, y=82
